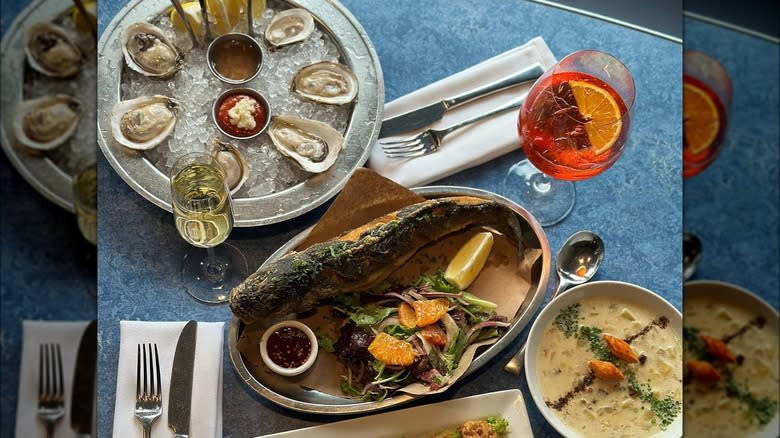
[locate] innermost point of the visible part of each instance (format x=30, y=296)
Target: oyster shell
x=144, y=122
x=288, y=27
x=312, y=144
x=51, y=51
x=233, y=163
x=46, y=122
x=326, y=82
x=149, y=52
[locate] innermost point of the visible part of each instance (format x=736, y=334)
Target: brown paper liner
x=505, y=279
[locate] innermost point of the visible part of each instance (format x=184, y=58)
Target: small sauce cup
x=222, y=105
x=234, y=58
x=285, y=342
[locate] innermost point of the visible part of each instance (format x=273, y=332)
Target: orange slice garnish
x=599, y=108
x=701, y=120
x=392, y=351
x=430, y=311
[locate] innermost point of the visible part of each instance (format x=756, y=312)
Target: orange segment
x=430, y=311
x=407, y=316
x=701, y=121
x=392, y=351
x=599, y=108
x=434, y=334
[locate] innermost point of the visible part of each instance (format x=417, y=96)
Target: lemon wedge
x=78, y=19
x=469, y=260
x=192, y=12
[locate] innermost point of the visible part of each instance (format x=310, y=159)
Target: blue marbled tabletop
x=47, y=270
x=732, y=206
x=636, y=206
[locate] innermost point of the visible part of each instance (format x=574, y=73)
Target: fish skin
x=363, y=257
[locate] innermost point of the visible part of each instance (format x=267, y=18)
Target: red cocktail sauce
x=288, y=347
x=223, y=118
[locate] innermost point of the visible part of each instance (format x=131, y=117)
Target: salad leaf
x=370, y=315
x=454, y=351
x=348, y=300
x=325, y=342
x=478, y=304
x=437, y=282
x=399, y=331
x=498, y=424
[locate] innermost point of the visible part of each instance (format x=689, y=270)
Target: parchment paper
x=505, y=279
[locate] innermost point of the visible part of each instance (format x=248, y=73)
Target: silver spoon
x=691, y=254
x=577, y=262
x=250, y=30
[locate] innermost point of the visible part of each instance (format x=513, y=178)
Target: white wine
x=201, y=205
x=85, y=195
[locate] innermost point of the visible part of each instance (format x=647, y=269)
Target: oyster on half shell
x=326, y=82
x=288, y=27
x=312, y=144
x=46, y=122
x=51, y=51
x=233, y=163
x=149, y=52
x=144, y=122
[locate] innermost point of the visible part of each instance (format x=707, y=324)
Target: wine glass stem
x=541, y=182
x=214, y=268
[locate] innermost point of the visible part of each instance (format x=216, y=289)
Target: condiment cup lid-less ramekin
x=288, y=371
x=249, y=92
x=239, y=37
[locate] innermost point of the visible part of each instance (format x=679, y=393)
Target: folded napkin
x=34, y=333
x=206, y=410
x=475, y=144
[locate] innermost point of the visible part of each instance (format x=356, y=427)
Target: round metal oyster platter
x=142, y=171
x=290, y=394
x=48, y=172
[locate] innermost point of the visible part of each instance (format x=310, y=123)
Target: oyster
x=233, y=163
x=312, y=144
x=144, y=122
x=46, y=122
x=149, y=52
x=326, y=82
x=288, y=27
x=51, y=51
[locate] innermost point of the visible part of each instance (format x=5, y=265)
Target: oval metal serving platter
x=362, y=129
x=290, y=395
x=40, y=170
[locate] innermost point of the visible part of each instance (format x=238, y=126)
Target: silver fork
x=430, y=140
x=148, y=398
x=51, y=391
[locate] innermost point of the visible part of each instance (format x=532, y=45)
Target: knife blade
x=82, y=400
x=180, y=392
x=426, y=115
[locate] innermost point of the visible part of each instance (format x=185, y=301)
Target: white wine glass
x=202, y=210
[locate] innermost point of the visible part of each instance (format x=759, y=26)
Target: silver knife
x=426, y=115
x=82, y=400
x=180, y=393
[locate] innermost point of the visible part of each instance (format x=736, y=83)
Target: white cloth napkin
x=472, y=145
x=34, y=333
x=206, y=410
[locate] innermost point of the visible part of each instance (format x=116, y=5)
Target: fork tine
x=404, y=151
x=402, y=147
x=138, y=372
x=157, y=367
x=60, y=386
x=40, y=371
x=400, y=142
x=407, y=154
x=146, y=375
x=47, y=352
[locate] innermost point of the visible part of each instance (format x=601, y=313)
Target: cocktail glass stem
x=550, y=200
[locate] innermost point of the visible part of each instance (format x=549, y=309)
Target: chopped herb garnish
x=665, y=409
x=596, y=343
x=568, y=320
x=762, y=410
x=498, y=424
x=692, y=342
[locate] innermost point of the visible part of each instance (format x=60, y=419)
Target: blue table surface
x=635, y=206
x=47, y=269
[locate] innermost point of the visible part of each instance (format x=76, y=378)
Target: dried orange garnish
x=430, y=311
x=392, y=351
x=718, y=349
x=407, y=316
x=434, y=334
x=605, y=370
x=703, y=371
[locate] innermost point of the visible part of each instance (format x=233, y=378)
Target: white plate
x=638, y=295
x=422, y=421
x=726, y=292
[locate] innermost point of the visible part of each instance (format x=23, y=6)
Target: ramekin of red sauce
x=288, y=348
x=241, y=113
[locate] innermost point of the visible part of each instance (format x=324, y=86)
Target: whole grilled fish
x=363, y=257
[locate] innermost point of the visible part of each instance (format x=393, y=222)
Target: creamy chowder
x=648, y=396
x=743, y=399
